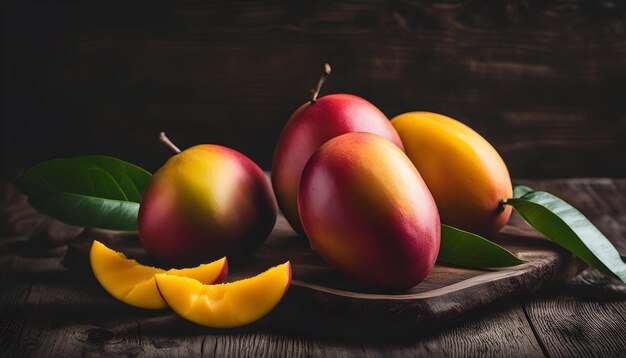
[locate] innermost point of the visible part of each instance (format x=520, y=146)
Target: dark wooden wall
x=544, y=81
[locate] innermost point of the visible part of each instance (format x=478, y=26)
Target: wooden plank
x=581, y=320
x=18, y=278
x=13, y=320
x=497, y=331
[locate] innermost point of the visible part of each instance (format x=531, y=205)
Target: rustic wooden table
x=46, y=310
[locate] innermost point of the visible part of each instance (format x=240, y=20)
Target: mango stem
x=168, y=143
x=316, y=90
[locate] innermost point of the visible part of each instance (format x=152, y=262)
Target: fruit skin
x=134, y=284
x=465, y=174
x=308, y=128
x=368, y=213
x=206, y=202
x=226, y=305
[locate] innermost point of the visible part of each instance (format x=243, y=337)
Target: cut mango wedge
x=134, y=284
x=229, y=304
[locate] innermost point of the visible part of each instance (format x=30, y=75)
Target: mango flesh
x=368, y=213
x=225, y=305
x=134, y=284
x=465, y=174
x=208, y=201
x=308, y=128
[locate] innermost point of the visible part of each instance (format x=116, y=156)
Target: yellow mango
x=228, y=304
x=134, y=284
x=464, y=173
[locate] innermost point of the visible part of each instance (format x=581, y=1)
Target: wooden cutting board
x=322, y=301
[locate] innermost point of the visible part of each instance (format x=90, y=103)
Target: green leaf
x=89, y=191
x=465, y=249
x=563, y=224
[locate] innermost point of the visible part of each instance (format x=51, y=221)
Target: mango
x=229, y=304
x=366, y=210
x=134, y=284
x=310, y=126
x=465, y=174
x=206, y=202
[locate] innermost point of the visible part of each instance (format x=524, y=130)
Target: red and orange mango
x=366, y=210
x=206, y=202
x=465, y=174
x=308, y=128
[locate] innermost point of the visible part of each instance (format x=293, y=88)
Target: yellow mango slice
x=228, y=304
x=134, y=284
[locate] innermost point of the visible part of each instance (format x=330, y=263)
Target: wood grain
x=583, y=325
x=542, y=81
x=46, y=310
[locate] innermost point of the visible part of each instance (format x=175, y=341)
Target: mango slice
x=229, y=304
x=134, y=284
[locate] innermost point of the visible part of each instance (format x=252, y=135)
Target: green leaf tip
x=462, y=248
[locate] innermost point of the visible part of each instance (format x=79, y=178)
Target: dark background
x=544, y=81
